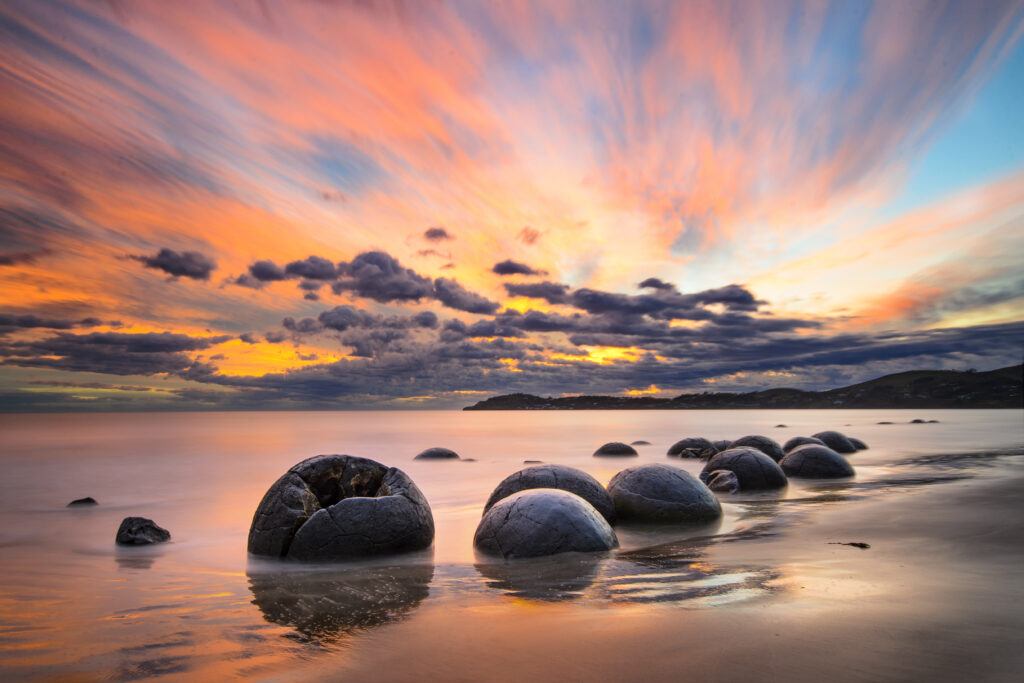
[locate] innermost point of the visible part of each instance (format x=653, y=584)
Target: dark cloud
x=510, y=267
x=379, y=276
x=552, y=292
x=10, y=322
x=303, y=326
x=267, y=271
x=311, y=296
x=275, y=337
x=452, y=294
x=437, y=234
x=312, y=268
x=18, y=258
x=249, y=338
x=190, y=264
x=656, y=283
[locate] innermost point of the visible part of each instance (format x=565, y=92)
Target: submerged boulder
x=556, y=477
x=858, y=444
x=340, y=506
x=141, y=531
x=437, y=454
x=754, y=470
x=660, y=493
x=723, y=481
x=640, y=442
x=837, y=441
x=801, y=441
x=82, y=502
x=616, y=449
x=812, y=461
x=692, y=447
x=540, y=522
x=769, y=447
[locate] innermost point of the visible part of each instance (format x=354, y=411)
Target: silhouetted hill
x=1000, y=388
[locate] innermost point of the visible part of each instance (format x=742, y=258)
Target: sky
x=371, y=205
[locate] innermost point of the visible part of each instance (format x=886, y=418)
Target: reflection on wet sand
x=325, y=605
x=136, y=558
x=560, y=577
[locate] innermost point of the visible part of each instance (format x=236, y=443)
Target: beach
x=770, y=591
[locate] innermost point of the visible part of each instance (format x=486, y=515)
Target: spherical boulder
x=640, y=442
x=837, y=441
x=801, y=441
x=692, y=447
x=723, y=481
x=754, y=470
x=340, y=506
x=769, y=447
x=858, y=444
x=437, y=454
x=812, y=461
x=538, y=522
x=141, y=531
x=660, y=493
x=556, y=477
x=616, y=449
x=721, y=444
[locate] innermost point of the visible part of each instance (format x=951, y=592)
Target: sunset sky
x=422, y=204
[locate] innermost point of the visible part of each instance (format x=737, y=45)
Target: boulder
x=141, y=531
x=754, y=470
x=858, y=444
x=339, y=506
x=812, y=461
x=660, y=493
x=539, y=522
x=692, y=447
x=616, y=449
x=437, y=454
x=885, y=423
x=917, y=421
x=721, y=445
x=800, y=441
x=81, y=502
x=723, y=481
x=769, y=447
x=639, y=442
x=837, y=441
x=532, y=462
x=556, y=477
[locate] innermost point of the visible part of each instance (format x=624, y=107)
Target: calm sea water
x=74, y=605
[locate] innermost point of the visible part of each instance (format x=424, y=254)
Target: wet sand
x=763, y=594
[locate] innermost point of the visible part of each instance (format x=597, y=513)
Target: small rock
x=468, y=459
x=532, y=462
x=639, y=442
x=855, y=544
x=141, y=531
x=884, y=423
x=616, y=449
x=917, y=421
x=933, y=422
x=437, y=454
x=723, y=481
x=781, y=426
x=81, y=502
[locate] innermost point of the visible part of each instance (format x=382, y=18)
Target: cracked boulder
x=798, y=441
x=331, y=507
x=723, y=481
x=769, y=447
x=556, y=477
x=815, y=462
x=754, y=470
x=692, y=447
x=538, y=522
x=837, y=441
x=141, y=531
x=660, y=493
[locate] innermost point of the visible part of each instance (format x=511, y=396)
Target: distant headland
x=1000, y=388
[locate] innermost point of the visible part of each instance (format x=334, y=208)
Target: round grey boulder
x=858, y=444
x=721, y=445
x=837, y=441
x=801, y=441
x=616, y=449
x=539, y=522
x=141, y=531
x=437, y=454
x=556, y=477
x=754, y=470
x=723, y=481
x=811, y=461
x=692, y=447
x=769, y=447
x=660, y=493
x=331, y=507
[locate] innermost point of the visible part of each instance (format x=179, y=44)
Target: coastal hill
x=1000, y=388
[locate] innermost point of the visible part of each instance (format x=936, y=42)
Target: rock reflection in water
x=325, y=605
x=559, y=577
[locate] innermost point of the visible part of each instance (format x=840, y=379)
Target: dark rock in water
x=721, y=445
x=933, y=422
x=781, y=426
x=660, y=493
x=723, y=481
x=79, y=502
x=339, y=506
x=532, y=462
x=855, y=544
x=884, y=423
x=467, y=459
x=692, y=447
x=616, y=448
x=917, y=421
x=801, y=441
x=437, y=454
x=769, y=447
x=640, y=442
x=540, y=522
x=858, y=444
x=755, y=470
x=556, y=477
x=837, y=441
x=811, y=461
x=141, y=531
